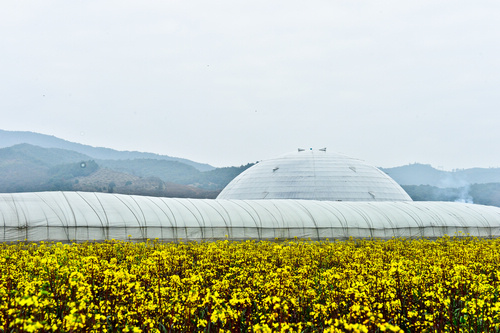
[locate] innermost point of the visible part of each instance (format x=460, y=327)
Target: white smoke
x=452, y=181
x=464, y=195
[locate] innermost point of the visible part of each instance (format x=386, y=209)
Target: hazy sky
x=231, y=82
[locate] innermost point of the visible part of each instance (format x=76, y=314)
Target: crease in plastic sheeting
x=127, y=206
x=453, y=216
x=106, y=232
x=465, y=224
x=360, y=213
x=310, y=216
x=486, y=223
x=326, y=205
x=173, y=225
x=227, y=224
x=64, y=226
x=259, y=203
x=148, y=202
x=142, y=212
x=163, y=200
x=433, y=214
x=93, y=209
x=17, y=212
x=70, y=207
x=200, y=225
x=258, y=226
x=386, y=216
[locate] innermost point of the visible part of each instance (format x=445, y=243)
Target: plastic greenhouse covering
x=314, y=175
x=82, y=216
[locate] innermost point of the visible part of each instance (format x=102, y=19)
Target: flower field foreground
x=450, y=284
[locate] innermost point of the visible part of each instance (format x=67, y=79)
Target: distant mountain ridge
x=41, y=156
x=11, y=138
x=424, y=174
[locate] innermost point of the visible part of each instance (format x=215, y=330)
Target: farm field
x=398, y=285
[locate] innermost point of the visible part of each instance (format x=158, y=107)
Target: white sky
x=232, y=82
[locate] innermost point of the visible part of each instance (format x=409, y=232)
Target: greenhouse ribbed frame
x=314, y=175
x=81, y=216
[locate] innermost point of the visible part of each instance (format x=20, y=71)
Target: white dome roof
x=314, y=175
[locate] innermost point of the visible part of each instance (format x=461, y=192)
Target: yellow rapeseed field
x=398, y=285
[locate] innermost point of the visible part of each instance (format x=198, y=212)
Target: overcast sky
x=232, y=82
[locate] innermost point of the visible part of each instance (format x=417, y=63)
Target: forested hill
x=26, y=167
x=11, y=138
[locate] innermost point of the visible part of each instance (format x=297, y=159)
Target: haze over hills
x=25, y=166
x=425, y=183
x=424, y=174
x=11, y=138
